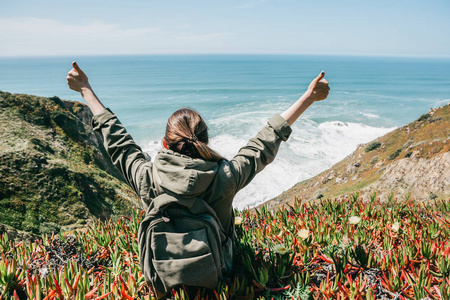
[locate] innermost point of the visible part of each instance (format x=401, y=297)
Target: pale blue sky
x=381, y=27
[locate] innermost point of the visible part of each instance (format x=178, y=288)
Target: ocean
x=237, y=94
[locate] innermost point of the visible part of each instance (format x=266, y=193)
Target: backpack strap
x=157, y=181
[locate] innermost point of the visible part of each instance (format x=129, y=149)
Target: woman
x=186, y=168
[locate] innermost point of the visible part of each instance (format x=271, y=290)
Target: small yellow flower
x=237, y=221
x=281, y=249
x=395, y=226
x=303, y=233
x=354, y=220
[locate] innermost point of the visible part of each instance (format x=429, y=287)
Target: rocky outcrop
x=54, y=172
x=423, y=177
x=411, y=161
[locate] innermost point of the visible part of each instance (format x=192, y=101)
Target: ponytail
x=187, y=133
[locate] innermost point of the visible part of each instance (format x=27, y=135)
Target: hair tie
x=192, y=139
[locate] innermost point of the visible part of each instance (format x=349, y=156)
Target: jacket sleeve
x=125, y=155
x=259, y=151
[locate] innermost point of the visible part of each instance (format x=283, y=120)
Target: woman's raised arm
x=262, y=149
x=318, y=90
x=79, y=82
x=126, y=156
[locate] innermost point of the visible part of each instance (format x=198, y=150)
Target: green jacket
x=179, y=175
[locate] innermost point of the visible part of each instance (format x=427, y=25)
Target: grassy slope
x=52, y=174
x=420, y=146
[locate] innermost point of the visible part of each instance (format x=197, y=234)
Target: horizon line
x=231, y=54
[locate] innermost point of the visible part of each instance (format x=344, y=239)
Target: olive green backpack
x=181, y=241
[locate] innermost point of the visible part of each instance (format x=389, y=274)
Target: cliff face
x=411, y=160
x=54, y=172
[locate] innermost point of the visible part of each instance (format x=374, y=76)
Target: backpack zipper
x=154, y=222
x=163, y=217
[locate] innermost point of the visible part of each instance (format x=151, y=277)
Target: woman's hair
x=187, y=133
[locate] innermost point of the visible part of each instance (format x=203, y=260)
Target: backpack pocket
x=184, y=258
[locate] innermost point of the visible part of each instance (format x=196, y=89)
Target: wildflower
x=395, y=226
x=303, y=233
x=281, y=249
x=345, y=240
x=237, y=221
x=43, y=272
x=354, y=220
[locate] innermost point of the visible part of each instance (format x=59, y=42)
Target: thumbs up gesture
x=77, y=79
x=318, y=89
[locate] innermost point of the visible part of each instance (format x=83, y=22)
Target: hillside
x=411, y=160
x=52, y=174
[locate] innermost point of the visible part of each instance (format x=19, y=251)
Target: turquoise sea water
x=237, y=94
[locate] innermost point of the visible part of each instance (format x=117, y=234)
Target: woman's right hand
x=77, y=79
x=318, y=88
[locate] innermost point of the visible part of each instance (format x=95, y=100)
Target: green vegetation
x=327, y=249
x=372, y=146
x=424, y=117
x=395, y=154
x=52, y=175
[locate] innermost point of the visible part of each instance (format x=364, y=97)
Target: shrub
x=48, y=228
x=374, y=160
x=424, y=117
x=395, y=154
x=372, y=146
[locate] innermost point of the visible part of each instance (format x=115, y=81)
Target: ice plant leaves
x=327, y=249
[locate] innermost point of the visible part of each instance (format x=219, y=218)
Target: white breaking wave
x=440, y=103
x=152, y=148
x=370, y=115
x=311, y=149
